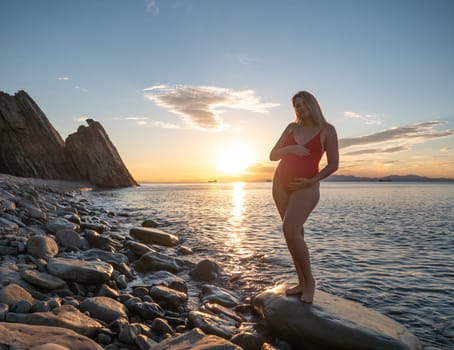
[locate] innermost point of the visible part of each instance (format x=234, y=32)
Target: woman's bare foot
x=295, y=290
x=308, y=292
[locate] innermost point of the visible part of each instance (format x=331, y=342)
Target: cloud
x=408, y=134
x=369, y=119
x=144, y=121
x=200, y=106
x=152, y=6
x=63, y=78
x=378, y=150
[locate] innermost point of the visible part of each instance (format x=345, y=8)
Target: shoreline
x=160, y=290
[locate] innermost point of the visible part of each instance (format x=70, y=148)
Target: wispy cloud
x=144, y=121
x=378, y=150
x=63, y=78
x=367, y=118
x=201, y=106
x=152, y=6
x=404, y=135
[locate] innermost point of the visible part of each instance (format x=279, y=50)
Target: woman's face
x=302, y=110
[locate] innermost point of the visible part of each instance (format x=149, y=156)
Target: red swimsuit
x=292, y=166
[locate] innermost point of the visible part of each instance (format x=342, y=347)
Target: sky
x=197, y=90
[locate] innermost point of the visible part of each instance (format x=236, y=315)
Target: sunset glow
x=235, y=159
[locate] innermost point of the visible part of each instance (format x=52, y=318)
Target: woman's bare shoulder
x=329, y=129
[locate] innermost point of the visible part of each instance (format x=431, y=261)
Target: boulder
x=42, y=279
x=13, y=293
x=212, y=324
x=69, y=239
x=42, y=247
x=348, y=324
x=206, y=270
x=23, y=336
x=196, y=340
x=86, y=272
x=222, y=296
x=66, y=316
x=104, y=308
x=61, y=224
x=157, y=262
x=173, y=298
x=154, y=236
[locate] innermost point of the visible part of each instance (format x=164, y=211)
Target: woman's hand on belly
x=298, y=150
x=300, y=183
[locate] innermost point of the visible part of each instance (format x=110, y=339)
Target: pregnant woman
x=296, y=188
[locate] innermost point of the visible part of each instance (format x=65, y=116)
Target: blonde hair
x=316, y=110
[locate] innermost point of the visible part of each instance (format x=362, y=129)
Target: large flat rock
x=66, y=316
x=331, y=323
x=154, y=236
x=87, y=272
x=22, y=336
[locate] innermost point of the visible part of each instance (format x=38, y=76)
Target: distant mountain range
x=390, y=178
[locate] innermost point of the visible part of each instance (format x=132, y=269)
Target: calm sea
x=388, y=246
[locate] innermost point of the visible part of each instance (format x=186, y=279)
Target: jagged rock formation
x=29, y=144
x=31, y=147
x=96, y=157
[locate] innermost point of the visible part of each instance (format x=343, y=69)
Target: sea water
x=388, y=246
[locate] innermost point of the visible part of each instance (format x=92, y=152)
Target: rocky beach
x=71, y=277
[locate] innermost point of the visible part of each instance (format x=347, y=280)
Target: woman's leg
x=300, y=205
x=281, y=197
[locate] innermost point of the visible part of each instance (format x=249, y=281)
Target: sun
x=235, y=159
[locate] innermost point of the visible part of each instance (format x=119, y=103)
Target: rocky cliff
x=31, y=147
x=96, y=157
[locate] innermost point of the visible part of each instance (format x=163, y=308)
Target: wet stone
x=224, y=297
x=42, y=279
x=103, y=308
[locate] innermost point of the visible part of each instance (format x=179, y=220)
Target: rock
x=30, y=146
x=69, y=239
x=247, y=341
x=173, y=298
x=222, y=312
x=164, y=278
x=348, y=324
x=157, y=262
x=104, y=308
x=42, y=279
x=161, y=326
x=212, y=324
x=13, y=293
x=59, y=224
x=145, y=343
x=148, y=310
x=96, y=158
x=129, y=333
x=42, y=247
x=99, y=241
x=23, y=336
x=154, y=236
x=206, y=270
x=115, y=259
x=224, y=297
x=150, y=223
x=139, y=248
x=87, y=272
x=99, y=228
x=184, y=250
x=196, y=340
x=66, y=316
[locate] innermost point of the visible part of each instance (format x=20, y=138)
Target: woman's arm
x=332, y=154
x=279, y=150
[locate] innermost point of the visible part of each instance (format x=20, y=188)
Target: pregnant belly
x=292, y=167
